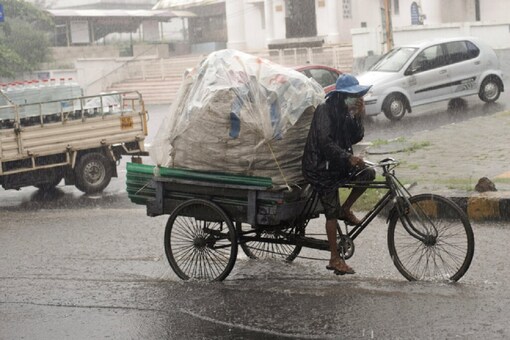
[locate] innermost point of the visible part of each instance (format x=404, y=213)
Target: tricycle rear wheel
x=200, y=241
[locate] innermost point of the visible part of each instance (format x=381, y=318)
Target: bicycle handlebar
x=382, y=163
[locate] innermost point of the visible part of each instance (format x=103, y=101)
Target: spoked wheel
x=200, y=241
x=267, y=250
x=446, y=247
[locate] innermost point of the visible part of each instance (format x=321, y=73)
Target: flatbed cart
x=211, y=214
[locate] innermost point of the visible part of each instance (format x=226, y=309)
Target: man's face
x=350, y=101
x=355, y=105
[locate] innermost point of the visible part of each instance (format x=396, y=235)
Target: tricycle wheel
x=430, y=238
x=268, y=250
x=200, y=241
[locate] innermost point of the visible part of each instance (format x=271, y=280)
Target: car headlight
x=369, y=98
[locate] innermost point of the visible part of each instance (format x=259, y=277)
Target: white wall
x=367, y=11
x=264, y=21
x=255, y=30
x=495, y=10
x=494, y=34
x=90, y=70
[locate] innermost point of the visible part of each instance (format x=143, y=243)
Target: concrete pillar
x=333, y=18
x=269, y=19
x=234, y=10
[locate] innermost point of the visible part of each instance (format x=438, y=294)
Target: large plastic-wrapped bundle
x=242, y=114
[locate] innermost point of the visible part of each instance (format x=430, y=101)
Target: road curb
x=484, y=207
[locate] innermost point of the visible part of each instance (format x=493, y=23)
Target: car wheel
x=394, y=107
x=489, y=90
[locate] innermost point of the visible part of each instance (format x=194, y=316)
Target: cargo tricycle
x=211, y=214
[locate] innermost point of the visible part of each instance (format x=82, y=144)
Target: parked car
x=431, y=71
x=326, y=76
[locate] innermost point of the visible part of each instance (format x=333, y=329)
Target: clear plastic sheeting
x=239, y=113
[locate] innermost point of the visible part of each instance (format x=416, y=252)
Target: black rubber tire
x=394, y=107
x=93, y=173
x=446, y=257
x=203, y=248
x=490, y=90
x=265, y=250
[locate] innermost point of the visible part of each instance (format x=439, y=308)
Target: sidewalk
x=450, y=160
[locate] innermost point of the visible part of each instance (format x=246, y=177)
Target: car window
x=394, y=60
x=473, y=50
x=428, y=59
x=323, y=77
x=459, y=51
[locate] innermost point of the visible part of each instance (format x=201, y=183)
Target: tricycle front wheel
x=200, y=241
x=446, y=246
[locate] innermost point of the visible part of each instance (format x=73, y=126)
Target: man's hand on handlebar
x=356, y=161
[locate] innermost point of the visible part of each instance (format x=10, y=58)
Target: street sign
x=1, y=13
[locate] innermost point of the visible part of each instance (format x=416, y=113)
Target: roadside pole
x=388, y=26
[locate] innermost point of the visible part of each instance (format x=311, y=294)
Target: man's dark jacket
x=328, y=147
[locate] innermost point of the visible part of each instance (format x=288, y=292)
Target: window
x=461, y=50
x=323, y=77
x=347, y=9
x=457, y=51
x=394, y=60
x=473, y=50
x=415, y=14
x=428, y=59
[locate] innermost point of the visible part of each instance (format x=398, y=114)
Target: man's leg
x=366, y=176
x=352, y=198
x=331, y=233
x=331, y=205
x=335, y=260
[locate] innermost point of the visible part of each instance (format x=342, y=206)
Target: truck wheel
x=93, y=173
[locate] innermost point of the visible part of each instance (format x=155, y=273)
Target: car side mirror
x=410, y=71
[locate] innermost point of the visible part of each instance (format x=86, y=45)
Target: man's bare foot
x=340, y=267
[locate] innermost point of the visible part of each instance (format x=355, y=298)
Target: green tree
x=24, y=42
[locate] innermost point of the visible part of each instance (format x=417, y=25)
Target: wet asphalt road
x=92, y=267
x=100, y=273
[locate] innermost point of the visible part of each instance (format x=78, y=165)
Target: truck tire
x=93, y=173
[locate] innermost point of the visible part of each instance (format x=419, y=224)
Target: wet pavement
x=101, y=274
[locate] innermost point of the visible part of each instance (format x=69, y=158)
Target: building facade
x=257, y=24
x=252, y=25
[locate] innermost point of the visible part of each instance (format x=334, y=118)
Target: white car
x=431, y=71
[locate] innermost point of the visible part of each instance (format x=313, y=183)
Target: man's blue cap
x=347, y=83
